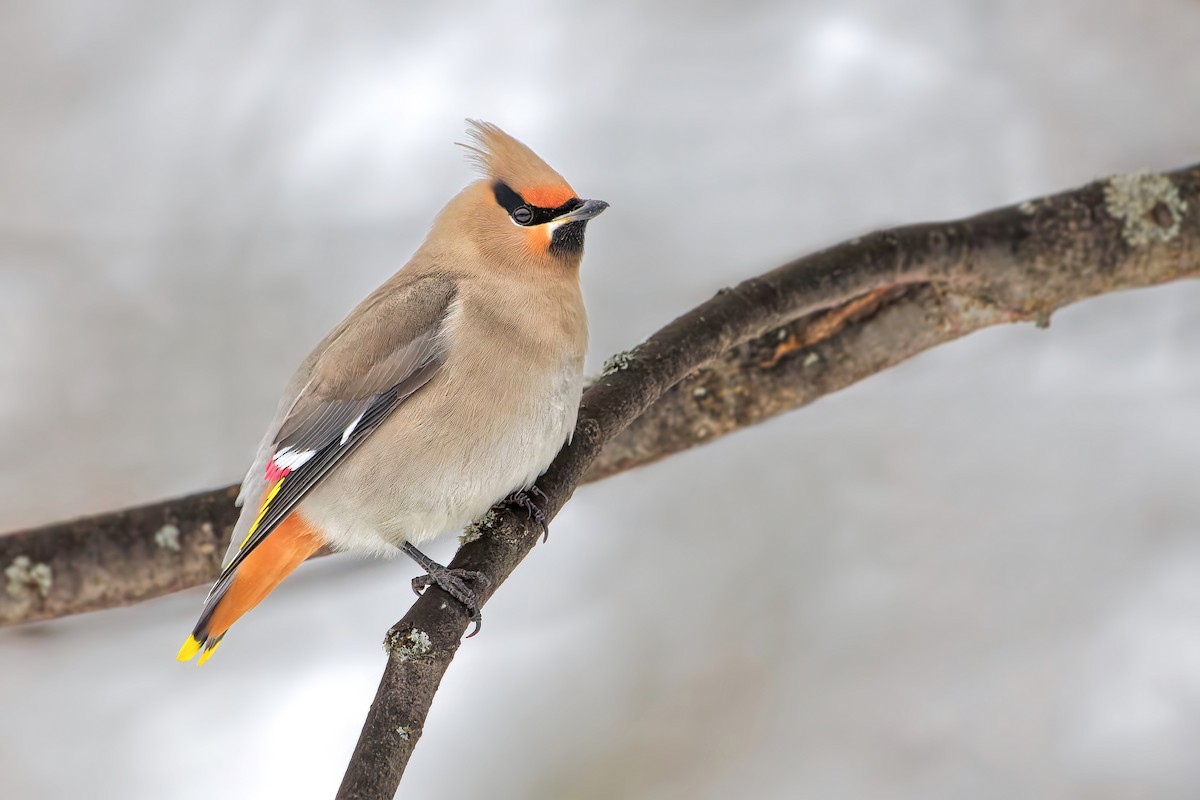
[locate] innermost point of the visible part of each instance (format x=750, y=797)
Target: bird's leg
x=524, y=498
x=450, y=581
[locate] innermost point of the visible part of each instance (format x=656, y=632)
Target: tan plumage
x=452, y=385
x=501, y=157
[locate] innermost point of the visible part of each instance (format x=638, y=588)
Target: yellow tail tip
x=208, y=652
x=189, y=649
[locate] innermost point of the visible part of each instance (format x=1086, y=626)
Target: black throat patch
x=568, y=238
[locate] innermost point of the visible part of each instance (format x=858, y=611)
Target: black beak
x=589, y=209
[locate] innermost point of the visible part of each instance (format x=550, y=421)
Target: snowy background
x=977, y=575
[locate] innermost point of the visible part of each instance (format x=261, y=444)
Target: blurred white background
x=975, y=576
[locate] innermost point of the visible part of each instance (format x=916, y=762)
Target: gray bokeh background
x=977, y=575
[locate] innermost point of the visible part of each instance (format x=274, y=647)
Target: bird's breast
x=489, y=423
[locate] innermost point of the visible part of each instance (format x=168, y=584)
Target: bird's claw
x=524, y=498
x=453, y=583
x=450, y=581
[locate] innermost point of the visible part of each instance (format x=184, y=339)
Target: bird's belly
x=442, y=460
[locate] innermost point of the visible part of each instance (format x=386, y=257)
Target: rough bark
x=849, y=311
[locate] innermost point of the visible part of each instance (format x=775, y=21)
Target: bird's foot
x=450, y=581
x=524, y=498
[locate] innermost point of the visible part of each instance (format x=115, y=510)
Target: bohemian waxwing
x=452, y=386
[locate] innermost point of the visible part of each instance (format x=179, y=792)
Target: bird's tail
x=270, y=562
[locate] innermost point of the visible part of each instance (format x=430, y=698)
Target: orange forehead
x=548, y=196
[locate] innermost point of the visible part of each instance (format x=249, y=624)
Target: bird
x=448, y=389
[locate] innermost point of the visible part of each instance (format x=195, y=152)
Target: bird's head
x=522, y=212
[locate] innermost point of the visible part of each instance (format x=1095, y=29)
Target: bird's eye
x=522, y=215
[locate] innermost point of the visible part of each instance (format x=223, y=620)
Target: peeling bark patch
x=167, y=537
x=23, y=575
x=785, y=348
x=1148, y=204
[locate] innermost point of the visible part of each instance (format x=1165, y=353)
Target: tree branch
x=850, y=311
x=115, y=559
x=125, y=557
x=771, y=344
x=136, y=554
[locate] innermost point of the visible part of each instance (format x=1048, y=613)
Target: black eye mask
x=512, y=202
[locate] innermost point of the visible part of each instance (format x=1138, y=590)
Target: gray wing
x=343, y=391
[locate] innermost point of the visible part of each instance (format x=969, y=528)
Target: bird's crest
x=503, y=158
